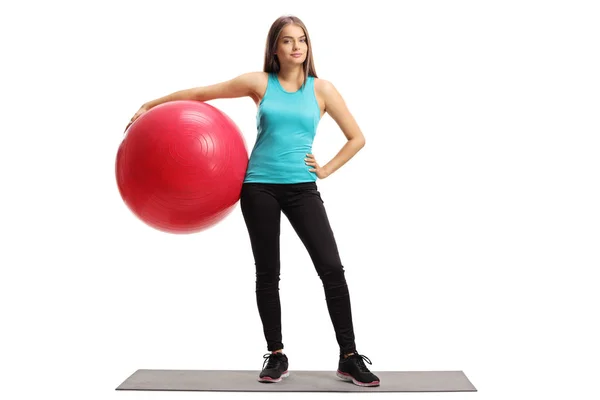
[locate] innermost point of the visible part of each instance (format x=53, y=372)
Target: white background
x=469, y=225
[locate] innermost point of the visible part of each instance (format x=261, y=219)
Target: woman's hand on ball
x=141, y=111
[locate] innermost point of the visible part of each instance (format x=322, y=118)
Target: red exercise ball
x=181, y=166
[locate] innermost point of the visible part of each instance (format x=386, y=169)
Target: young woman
x=281, y=178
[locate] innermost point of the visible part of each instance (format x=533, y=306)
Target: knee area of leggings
x=269, y=277
x=333, y=276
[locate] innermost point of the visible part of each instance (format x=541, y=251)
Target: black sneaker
x=275, y=368
x=354, y=370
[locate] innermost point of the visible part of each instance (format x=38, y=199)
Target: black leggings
x=301, y=203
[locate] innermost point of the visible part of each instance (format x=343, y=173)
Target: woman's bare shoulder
x=257, y=77
x=323, y=85
x=257, y=82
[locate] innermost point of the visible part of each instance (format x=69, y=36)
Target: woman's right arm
x=241, y=86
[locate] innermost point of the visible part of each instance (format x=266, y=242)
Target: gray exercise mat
x=298, y=381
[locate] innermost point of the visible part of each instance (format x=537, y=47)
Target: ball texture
x=181, y=166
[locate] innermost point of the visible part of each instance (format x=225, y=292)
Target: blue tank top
x=286, y=123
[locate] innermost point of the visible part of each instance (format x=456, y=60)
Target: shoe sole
x=347, y=377
x=268, y=379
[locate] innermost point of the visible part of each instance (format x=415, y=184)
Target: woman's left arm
x=336, y=107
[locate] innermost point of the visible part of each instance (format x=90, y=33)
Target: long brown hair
x=271, y=61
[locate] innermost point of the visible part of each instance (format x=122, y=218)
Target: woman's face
x=292, y=46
